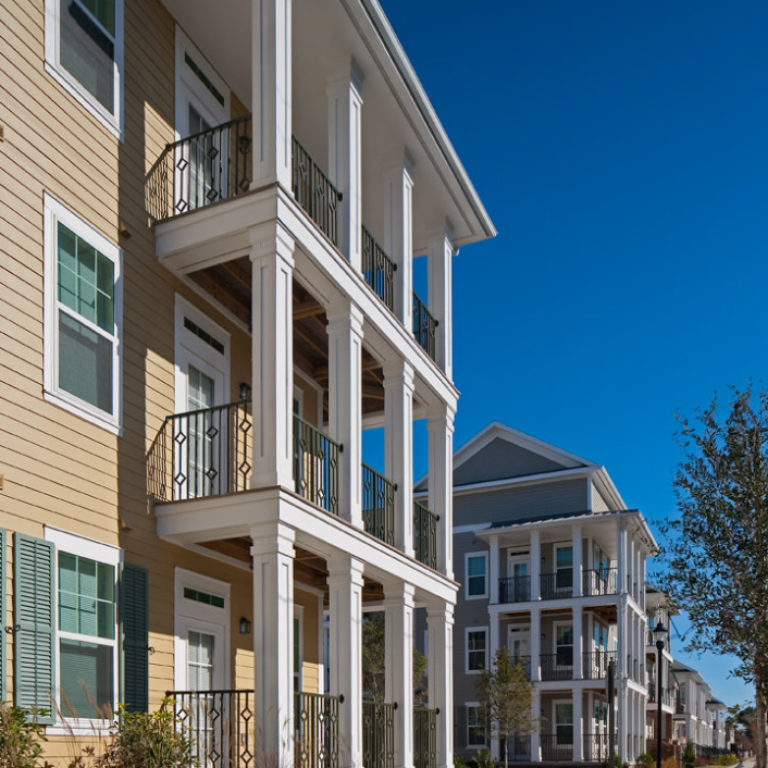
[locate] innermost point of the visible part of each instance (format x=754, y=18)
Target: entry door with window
x=519, y=644
x=519, y=585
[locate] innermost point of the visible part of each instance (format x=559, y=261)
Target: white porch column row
x=578, y=725
x=345, y=598
x=273, y=553
x=440, y=429
x=398, y=236
x=398, y=446
x=345, y=102
x=440, y=301
x=440, y=673
x=535, y=565
x=398, y=666
x=271, y=86
x=578, y=554
x=272, y=359
x=345, y=414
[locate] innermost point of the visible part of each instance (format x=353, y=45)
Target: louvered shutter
x=2, y=615
x=33, y=652
x=134, y=633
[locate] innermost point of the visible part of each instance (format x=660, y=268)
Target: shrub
x=669, y=762
x=20, y=737
x=689, y=755
x=645, y=760
x=459, y=762
x=483, y=759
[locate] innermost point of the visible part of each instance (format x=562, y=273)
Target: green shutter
x=33, y=652
x=134, y=633
x=2, y=615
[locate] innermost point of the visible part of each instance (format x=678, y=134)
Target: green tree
x=505, y=698
x=717, y=547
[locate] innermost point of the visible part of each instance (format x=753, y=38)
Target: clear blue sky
x=620, y=148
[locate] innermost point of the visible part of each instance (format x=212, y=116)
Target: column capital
x=349, y=80
x=272, y=538
x=401, y=169
x=441, y=610
x=398, y=592
x=398, y=371
x=270, y=240
x=441, y=414
x=343, y=314
x=343, y=568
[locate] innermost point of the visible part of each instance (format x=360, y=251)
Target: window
x=563, y=723
x=564, y=645
x=475, y=726
x=84, y=52
x=476, y=565
x=83, y=317
x=564, y=568
x=477, y=644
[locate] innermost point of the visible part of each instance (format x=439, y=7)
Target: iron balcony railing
x=314, y=192
x=424, y=326
x=424, y=737
x=556, y=748
x=316, y=465
x=596, y=747
x=425, y=535
x=599, y=581
x=557, y=666
x=519, y=749
x=201, y=169
x=556, y=585
x=206, y=452
x=220, y=726
x=516, y=589
x=595, y=664
x=378, y=269
x=667, y=695
x=378, y=505
x=378, y=734
x=316, y=735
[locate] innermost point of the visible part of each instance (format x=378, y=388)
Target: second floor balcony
x=558, y=585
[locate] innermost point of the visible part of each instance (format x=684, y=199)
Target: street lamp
x=659, y=635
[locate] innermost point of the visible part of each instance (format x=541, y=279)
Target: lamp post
x=659, y=634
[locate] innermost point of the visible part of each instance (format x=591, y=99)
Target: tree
x=505, y=698
x=717, y=548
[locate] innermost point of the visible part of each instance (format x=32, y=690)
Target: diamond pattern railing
x=316, y=465
x=378, y=505
x=424, y=737
x=378, y=734
x=314, y=192
x=425, y=535
x=316, y=737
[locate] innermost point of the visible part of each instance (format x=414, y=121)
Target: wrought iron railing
x=596, y=747
x=201, y=453
x=556, y=585
x=378, y=269
x=519, y=749
x=316, y=465
x=515, y=590
x=378, y=505
x=378, y=734
x=596, y=664
x=316, y=735
x=425, y=535
x=557, y=666
x=555, y=749
x=600, y=581
x=201, y=169
x=220, y=725
x=667, y=695
x=313, y=191
x=424, y=737
x=424, y=326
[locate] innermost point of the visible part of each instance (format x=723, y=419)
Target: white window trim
x=55, y=212
x=555, y=626
x=555, y=702
x=112, y=121
x=472, y=705
x=467, y=556
x=467, y=630
x=104, y=553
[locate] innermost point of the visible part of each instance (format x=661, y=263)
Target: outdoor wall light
x=245, y=390
x=245, y=626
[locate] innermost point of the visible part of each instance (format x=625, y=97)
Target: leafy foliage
x=645, y=760
x=689, y=755
x=20, y=738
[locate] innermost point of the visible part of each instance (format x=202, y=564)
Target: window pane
x=86, y=679
x=87, y=53
x=85, y=363
x=565, y=635
x=476, y=566
x=104, y=11
x=564, y=557
x=476, y=585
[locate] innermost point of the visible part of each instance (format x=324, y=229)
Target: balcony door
x=518, y=569
x=519, y=644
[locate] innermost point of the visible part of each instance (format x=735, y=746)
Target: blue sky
x=620, y=149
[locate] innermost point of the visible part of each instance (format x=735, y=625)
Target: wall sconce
x=245, y=626
x=245, y=390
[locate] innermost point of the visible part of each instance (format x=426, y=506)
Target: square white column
x=271, y=87
x=578, y=726
x=272, y=359
x=273, y=553
x=493, y=570
x=398, y=235
x=440, y=303
x=345, y=602
x=398, y=446
x=440, y=482
x=621, y=557
x=345, y=103
x=535, y=644
x=536, y=733
x=535, y=546
x=578, y=642
x=578, y=555
x=345, y=408
x=440, y=673
x=398, y=666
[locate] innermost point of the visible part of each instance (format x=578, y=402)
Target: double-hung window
x=477, y=580
x=475, y=726
x=83, y=301
x=477, y=645
x=84, y=52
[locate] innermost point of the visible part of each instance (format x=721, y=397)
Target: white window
x=475, y=727
x=84, y=52
x=477, y=649
x=86, y=622
x=83, y=317
x=476, y=569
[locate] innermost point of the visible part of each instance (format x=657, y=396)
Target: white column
x=578, y=556
x=398, y=446
x=578, y=726
x=398, y=235
x=272, y=359
x=535, y=643
x=535, y=565
x=345, y=594
x=631, y=575
x=621, y=682
x=440, y=429
x=272, y=551
x=440, y=301
x=621, y=557
x=578, y=642
x=440, y=672
x=344, y=159
x=398, y=666
x=271, y=88
x=493, y=570
x=536, y=733
x=345, y=410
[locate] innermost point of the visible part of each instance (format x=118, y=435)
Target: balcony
x=557, y=666
x=378, y=505
x=378, y=270
x=425, y=535
x=424, y=326
x=378, y=734
x=515, y=590
x=601, y=581
x=316, y=736
x=556, y=747
x=557, y=585
x=425, y=737
x=595, y=664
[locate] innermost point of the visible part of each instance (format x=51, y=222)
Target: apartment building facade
x=699, y=717
x=659, y=609
x=552, y=566
x=209, y=222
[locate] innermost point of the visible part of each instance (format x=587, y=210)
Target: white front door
x=519, y=582
x=518, y=642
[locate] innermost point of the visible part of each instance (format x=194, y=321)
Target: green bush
x=689, y=755
x=645, y=760
x=20, y=738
